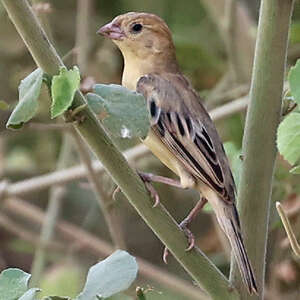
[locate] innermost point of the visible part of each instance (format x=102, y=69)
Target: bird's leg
x=184, y=226
x=156, y=178
x=148, y=178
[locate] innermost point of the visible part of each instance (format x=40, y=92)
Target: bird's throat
x=135, y=68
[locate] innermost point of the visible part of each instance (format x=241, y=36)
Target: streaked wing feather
x=184, y=133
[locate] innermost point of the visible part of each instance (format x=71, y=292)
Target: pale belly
x=168, y=159
x=161, y=151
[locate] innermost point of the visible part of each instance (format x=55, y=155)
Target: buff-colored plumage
x=182, y=134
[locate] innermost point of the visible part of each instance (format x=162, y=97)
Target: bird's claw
x=165, y=255
x=115, y=192
x=153, y=193
x=147, y=180
x=189, y=235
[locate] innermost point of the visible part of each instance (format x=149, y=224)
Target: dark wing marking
x=185, y=133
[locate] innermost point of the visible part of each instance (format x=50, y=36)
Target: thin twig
x=244, y=37
x=231, y=41
x=64, y=176
x=109, y=212
x=229, y=109
x=53, y=210
x=288, y=228
x=7, y=224
x=219, y=98
x=84, y=9
x=99, y=247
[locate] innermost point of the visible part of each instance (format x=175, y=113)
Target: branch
x=229, y=109
x=53, y=210
x=61, y=177
x=259, y=147
x=288, y=228
x=244, y=36
x=99, y=247
x=107, y=208
x=158, y=219
x=224, y=96
x=84, y=8
x=18, y=230
x=231, y=43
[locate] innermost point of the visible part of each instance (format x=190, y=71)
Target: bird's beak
x=112, y=31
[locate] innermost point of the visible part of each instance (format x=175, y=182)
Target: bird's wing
x=185, y=128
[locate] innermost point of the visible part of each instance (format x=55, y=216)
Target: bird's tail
x=228, y=219
x=231, y=226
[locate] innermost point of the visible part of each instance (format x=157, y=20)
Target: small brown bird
x=182, y=134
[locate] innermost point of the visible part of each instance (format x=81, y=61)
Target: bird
x=182, y=134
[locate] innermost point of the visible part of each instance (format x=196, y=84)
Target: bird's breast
x=161, y=151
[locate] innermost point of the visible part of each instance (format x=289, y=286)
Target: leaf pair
x=121, y=111
x=63, y=88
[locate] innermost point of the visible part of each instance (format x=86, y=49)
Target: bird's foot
x=148, y=177
x=184, y=226
x=188, y=233
x=147, y=180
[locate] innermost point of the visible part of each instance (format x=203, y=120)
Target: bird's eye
x=136, y=28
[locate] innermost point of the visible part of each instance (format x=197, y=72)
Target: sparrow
x=182, y=134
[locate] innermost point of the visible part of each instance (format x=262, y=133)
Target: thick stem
x=159, y=220
x=259, y=146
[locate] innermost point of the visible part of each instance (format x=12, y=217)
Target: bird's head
x=140, y=36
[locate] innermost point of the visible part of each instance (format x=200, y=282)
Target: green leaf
x=122, y=112
x=13, y=284
x=29, y=91
x=288, y=138
x=3, y=105
x=63, y=89
x=294, y=81
x=110, y=276
x=30, y=294
x=295, y=170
